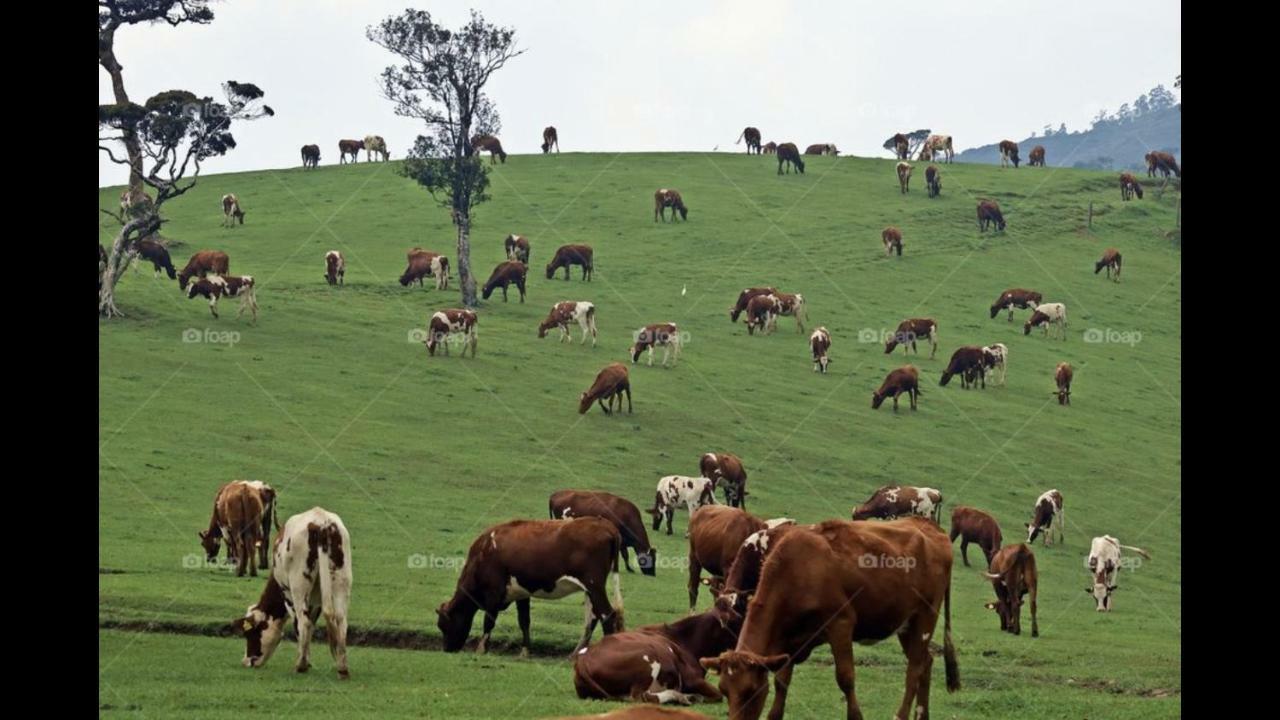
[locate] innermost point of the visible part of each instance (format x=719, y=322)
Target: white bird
x=684, y=289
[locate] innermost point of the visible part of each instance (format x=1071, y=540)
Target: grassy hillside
x=328, y=400
x=1111, y=145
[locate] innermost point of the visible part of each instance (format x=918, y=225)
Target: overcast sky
x=657, y=75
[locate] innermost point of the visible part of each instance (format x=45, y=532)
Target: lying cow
x=676, y=490
x=894, y=501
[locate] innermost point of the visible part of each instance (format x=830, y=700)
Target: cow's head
x=708, y=494
x=433, y=339
x=584, y=404
x=730, y=607
x=648, y=561
x=551, y=270
x=744, y=679
x=454, y=621
x=211, y=541
x=1101, y=590
x=262, y=634
x=657, y=511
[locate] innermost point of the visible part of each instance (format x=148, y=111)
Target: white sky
x=658, y=75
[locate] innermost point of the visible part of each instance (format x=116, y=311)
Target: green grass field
x=328, y=400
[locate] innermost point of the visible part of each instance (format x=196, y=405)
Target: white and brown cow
x=793, y=305
x=1104, y=563
x=231, y=211
x=216, y=286
x=335, y=267
x=665, y=335
x=892, y=239
x=569, y=311
x=762, y=314
x=202, y=264
x=716, y=533
x=904, y=176
x=311, y=576
x=1009, y=154
x=423, y=263
x=744, y=299
x=935, y=144
x=444, y=324
x=726, y=471
x=996, y=362
x=1046, y=315
x=517, y=248
x=1111, y=260
x=895, y=501
x=1048, y=506
x=1062, y=376
x=375, y=145
x=1012, y=573
x=819, y=345
x=677, y=490
x=1015, y=297
x=240, y=519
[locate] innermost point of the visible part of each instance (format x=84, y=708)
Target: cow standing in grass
x=904, y=380
x=517, y=248
x=752, y=136
x=911, y=330
x=892, y=239
x=444, y=324
x=375, y=145
x=610, y=384
x=974, y=526
x=1104, y=565
x=1012, y=573
x=242, y=514
x=1111, y=260
x=215, y=287
x=989, y=214
x=512, y=272
x=819, y=345
x=677, y=490
x=157, y=254
x=1046, y=315
x=550, y=138
x=744, y=299
x=1062, y=377
x=231, y=212
x=762, y=314
x=335, y=268
x=1048, y=507
x=904, y=176
x=665, y=335
x=310, y=156
x=665, y=198
x=1008, y=153
x=1015, y=297
x=933, y=180
x=623, y=513
x=349, y=147
x=423, y=263
x=935, y=144
x=491, y=145
x=1129, y=186
x=793, y=305
x=970, y=363
x=202, y=264
x=726, y=470
x=789, y=154
x=563, y=313
x=569, y=255
x=901, y=146
x=1036, y=157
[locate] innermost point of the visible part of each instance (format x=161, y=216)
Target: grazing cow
x=788, y=153
x=1104, y=563
x=310, y=156
x=1047, y=507
x=349, y=147
x=744, y=298
x=375, y=145
x=935, y=144
x=423, y=263
x=643, y=712
x=1008, y=153
x=1036, y=157
x=734, y=590
x=905, y=379
x=715, y=534
x=817, y=588
x=1111, y=261
x=752, y=136
x=666, y=198
x=231, y=212
x=762, y=313
x=725, y=469
x=988, y=214
x=491, y=145
x=563, y=313
x=508, y=273
x=966, y=361
x=240, y=519
x=335, y=268
x=1164, y=162
x=904, y=176
x=676, y=490
x=792, y=305
x=666, y=335
x=1013, y=574
x=821, y=149
x=204, y=262
x=1047, y=314
x=213, y=288
x=569, y=255
x=933, y=180
x=820, y=344
x=974, y=526
x=545, y=559
x=154, y=251
x=610, y=383
x=549, y=139
x=1062, y=377
x=996, y=360
x=1129, y=186
x=1015, y=297
x=624, y=514
x=769, y=148
x=517, y=247
x=911, y=330
x=901, y=146
x=892, y=239
x=894, y=501
x=444, y=324
x=311, y=576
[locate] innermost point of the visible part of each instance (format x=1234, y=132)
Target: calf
x=213, y=288
x=752, y=136
x=905, y=379
x=349, y=147
x=789, y=154
x=666, y=335
x=1036, y=157
x=203, y=263
x=1104, y=563
x=312, y=575
x=821, y=149
x=335, y=268
x=550, y=139
x=744, y=298
x=726, y=471
x=1015, y=297
x=517, y=247
x=1008, y=153
x=989, y=214
x=667, y=198
x=423, y=263
x=563, y=313
x=964, y=362
x=610, y=384
x=1047, y=507
x=715, y=534
x=1129, y=186
x=901, y=146
x=623, y=513
x=158, y=254
x=904, y=176
x=231, y=211
x=520, y=560
x=676, y=490
x=974, y=526
x=569, y=255
x=375, y=145
x=933, y=180
x=892, y=239
x=1062, y=377
x=911, y=330
x=894, y=501
x=762, y=313
x=1013, y=574
x=238, y=518
x=792, y=305
x=446, y=323
x=820, y=344
x=995, y=359
x=310, y=156
x=1048, y=314
x=491, y=145
x=1111, y=261
x=508, y=273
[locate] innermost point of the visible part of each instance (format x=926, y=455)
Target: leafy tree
x=1141, y=106
x=1161, y=98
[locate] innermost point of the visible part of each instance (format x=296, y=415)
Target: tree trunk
x=107, y=59
x=465, y=278
x=118, y=258
x=118, y=261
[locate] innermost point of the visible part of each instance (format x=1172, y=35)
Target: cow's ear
x=200, y=534
x=711, y=663
x=776, y=663
x=1114, y=588
x=240, y=626
x=1089, y=590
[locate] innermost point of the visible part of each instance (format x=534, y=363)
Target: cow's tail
x=949, y=648
x=616, y=549
x=739, y=140
x=584, y=672
x=1138, y=550
x=326, y=580
x=275, y=516
x=591, y=319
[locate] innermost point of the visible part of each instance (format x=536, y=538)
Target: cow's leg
x=781, y=682
x=1035, y=626
x=628, y=391
x=602, y=407
x=670, y=512
x=596, y=607
x=695, y=580
x=213, y=306
x=335, y=621
x=964, y=548
x=490, y=619
x=840, y=636
x=915, y=645
x=522, y=614
x=895, y=402
x=305, y=623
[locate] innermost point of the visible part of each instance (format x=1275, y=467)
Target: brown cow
x=1015, y=297
x=821, y=149
x=1062, y=376
x=769, y=148
x=911, y=330
x=1129, y=186
x=156, y=252
x=423, y=263
x=517, y=247
x=744, y=298
x=735, y=589
x=892, y=238
x=664, y=335
x=752, y=136
x=788, y=153
x=445, y=323
x=203, y=263
x=894, y=501
x=792, y=305
x=1013, y=575
x=905, y=379
x=933, y=180
x=1008, y=153
x=715, y=534
x=550, y=138
x=966, y=361
x=901, y=146
x=935, y=144
x=667, y=198
x=491, y=145
x=904, y=176
x=762, y=313
x=349, y=147
x=569, y=255
x=512, y=272
x=642, y=712
x=610, y=383
x=545, y=559
x=1164, y=162
x=988, y=214
x=820, y=344
x=1036, y=157
x=310, y=156
x=974, y=526
x=725, y=470
x=238, y=519
x=213, y=288
x=1111, y=261
x=840, y=583
x=623, y=513
x=335, y=267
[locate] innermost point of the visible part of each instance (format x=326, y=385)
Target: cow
x=375, y=145
x=936, y=143
x=563, y=313
x=517, y=248
x=813, y=591
x=211, y=537
x=1047, y=507
x=716, y=532
x=972, y=525
x=894, y=501
x=788, y=153
x=1103, y=564
x=203, y=263
x=911, y=330
x=610, y=383
x=665, y=198
x=549, y=139
x=568, y=255
x=676, y=490
x=904, y=176
x=311, y=576
x=231, y=212
x=1036, y=157
x=1015, y=297
x=443, y=324
x=1047, y=314
x=933, y=180
x=734, y=590
x=792, y=305
x=519, y=560
x=213, y=288
x=769, y=148
x=892, y=239
x=666, y=335
x=901, y=146
x=1129, y=186
x=643, y=712
x=821, y=149
x=1008, y=153
x=820, y=344
x=726, y=470
x=965, y=361
x=349, y=147
x=996, y=361
x=156, y=252
x=511, y=272
x=989, y=214
x=310, y=156
x=335, y=268
x=762, y=313
x=905, y=379
x=752, y=136
x=624, y=514
x=744, y=298
x=1162, y=161
x=240, y=518
x=1111, y=260
x=423, y=263
x=491, y=145
x=1062, y=377
x=1012, y=572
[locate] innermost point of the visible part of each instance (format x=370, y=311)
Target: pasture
x=331, y=399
